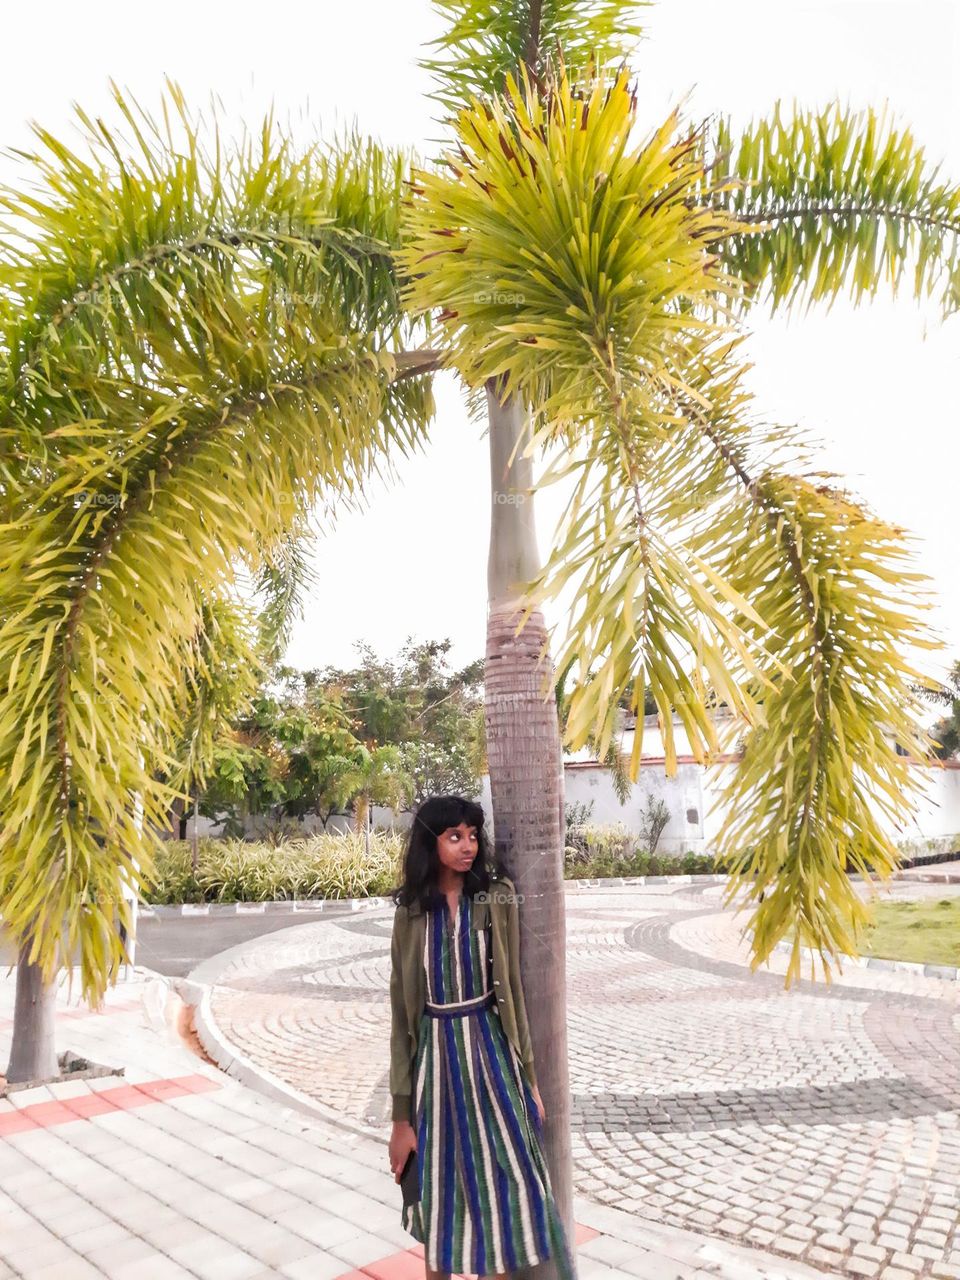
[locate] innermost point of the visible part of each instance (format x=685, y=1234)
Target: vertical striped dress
x=485, y=1199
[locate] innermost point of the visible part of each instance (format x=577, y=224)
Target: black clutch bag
x=410, y=1180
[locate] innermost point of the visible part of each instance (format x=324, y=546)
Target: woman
x=462, y=1079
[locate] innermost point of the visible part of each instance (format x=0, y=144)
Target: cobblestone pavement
x=173, y=1171
x=819, y=1123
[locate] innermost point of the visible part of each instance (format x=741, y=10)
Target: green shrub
x=336, y=865
x=599, y=851
x=330, y=865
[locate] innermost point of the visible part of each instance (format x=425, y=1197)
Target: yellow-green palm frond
x=486, y=42
x=707, y=572
x=578, y=272
x=839, y=201
x=572, y=265
x=647, y=614
x=196, y=347
x=822, y=783
x=286, y=575
x=222, y=676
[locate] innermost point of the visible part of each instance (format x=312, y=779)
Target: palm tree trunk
x=526, y=783
x=195, y=845
x=33, y=1053
x=359, y=814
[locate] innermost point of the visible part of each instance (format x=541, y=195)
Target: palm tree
x=377, y=777
x=199, y=343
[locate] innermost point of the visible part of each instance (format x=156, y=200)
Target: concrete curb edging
x=197, y=991
x=313, y=906
x=287, y=907
x=948, y=971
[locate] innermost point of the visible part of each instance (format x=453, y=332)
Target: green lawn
x=927, y=932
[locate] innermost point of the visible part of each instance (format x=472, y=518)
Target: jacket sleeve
x=519, y=1004
x=399, y=1038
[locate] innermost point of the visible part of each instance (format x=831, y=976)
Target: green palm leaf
x=197, y=346
x=838, y=201
x=576, y=269
x=485, y=43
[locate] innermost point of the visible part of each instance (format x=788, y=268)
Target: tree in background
x=328, y=741
x=286, y=759
x=417, y=703
x=946, y=731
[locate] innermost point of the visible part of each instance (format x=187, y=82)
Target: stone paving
x=176, y=1172
x=819, y=1123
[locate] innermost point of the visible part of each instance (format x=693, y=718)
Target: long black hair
x=421, y=862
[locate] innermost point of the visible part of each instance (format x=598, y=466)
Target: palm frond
x=226, y=668
x=559, y=257
x=577, y=271
x=839, y=201
x=285, y=576
x=572, y=269
x=485, y=43
x=196, y=347
x=820, y=785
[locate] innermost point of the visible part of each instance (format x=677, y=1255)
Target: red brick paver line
x=407, y=1264
x=45, y=1115
x=124, y=1006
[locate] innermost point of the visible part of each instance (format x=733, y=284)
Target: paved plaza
x=820, y=1124
x=175, y=1171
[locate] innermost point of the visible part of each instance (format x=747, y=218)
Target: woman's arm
x=400, y=1087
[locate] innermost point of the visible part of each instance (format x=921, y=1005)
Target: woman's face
x=457, y=847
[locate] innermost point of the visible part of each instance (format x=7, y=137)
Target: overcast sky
x=877, y=384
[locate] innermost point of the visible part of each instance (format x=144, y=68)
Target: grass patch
x=925, y=932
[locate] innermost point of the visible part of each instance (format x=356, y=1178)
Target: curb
x=948, y=971
x=287, y=907
x=314, y=906
x=196, y=990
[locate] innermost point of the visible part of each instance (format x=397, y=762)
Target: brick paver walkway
x=821, y=1123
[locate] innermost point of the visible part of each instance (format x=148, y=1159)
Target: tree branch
x=533, y=41
x=845, y=211
x=411, y=364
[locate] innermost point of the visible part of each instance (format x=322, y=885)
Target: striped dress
x=485, y=1199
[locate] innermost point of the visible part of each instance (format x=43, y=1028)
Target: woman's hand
x=539, y=1101
x=403, y=1140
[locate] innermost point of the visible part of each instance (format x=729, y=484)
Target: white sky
x=877, y=384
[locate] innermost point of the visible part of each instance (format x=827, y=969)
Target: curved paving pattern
x=822, y=1123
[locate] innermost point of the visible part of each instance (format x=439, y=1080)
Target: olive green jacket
x=408, y=985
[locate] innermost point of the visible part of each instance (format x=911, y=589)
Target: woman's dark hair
x=421, y=862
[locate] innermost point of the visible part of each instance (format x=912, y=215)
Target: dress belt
x=458, y=1009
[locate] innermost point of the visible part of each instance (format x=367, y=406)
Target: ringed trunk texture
x=33, y=1054
x=360, y=815
x=526, y=783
